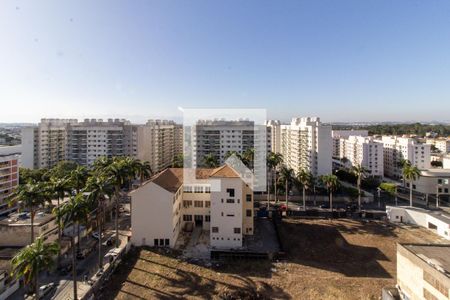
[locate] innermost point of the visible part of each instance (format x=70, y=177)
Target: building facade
x=218, y=137
x=364, y=151
x=423, y=271
x=306, y=144
x=442, y=144
x=337, y=135
x=55, y=140
x=396, y=149
x=9, y=174
x=164, y=206
x=159, y=142
x=275, y=129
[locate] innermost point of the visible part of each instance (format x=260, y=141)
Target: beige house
x=164, y=206
x=423, y=271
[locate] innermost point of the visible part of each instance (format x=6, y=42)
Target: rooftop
x=171, y=179
x=437, y=256
x=23, y=219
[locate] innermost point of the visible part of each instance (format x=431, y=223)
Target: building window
x=440, y=181
x=249, y=212
x=230, y=192
x=198, y=189
x=230, y=215
x=166, y=242
x=207, y=218
x=187, y=203
x=237, y=230
x=187, y=218
x=155, y=242
x=207, y=203
x=198, y=203
x=215, y=229
x=207, y=189
x=187, y=189
x=248, y=198
x=161, y=242
x=230, y=200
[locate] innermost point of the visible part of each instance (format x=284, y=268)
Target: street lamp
x=379, y=197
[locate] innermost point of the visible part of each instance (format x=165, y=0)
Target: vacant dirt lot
x=325, y=259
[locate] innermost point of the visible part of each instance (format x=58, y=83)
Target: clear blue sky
x=368, y=60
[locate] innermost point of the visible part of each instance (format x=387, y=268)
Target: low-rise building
x=15, y=230
x=337, y=135
x=423, y=271
x=432, y=182
x=436, y=221
x=165, y=205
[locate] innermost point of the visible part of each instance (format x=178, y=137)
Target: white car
x=45, y=289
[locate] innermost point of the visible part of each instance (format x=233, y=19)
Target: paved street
x=85, y=267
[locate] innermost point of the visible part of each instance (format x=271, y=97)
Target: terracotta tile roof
x=172, y=178
x=225, y=171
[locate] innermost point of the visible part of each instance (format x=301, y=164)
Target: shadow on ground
x=323, y=246
x=148, y=273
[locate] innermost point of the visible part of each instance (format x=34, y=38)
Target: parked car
x=110, y=240
x=283, y=207
x=95, y=235
x=45, y=289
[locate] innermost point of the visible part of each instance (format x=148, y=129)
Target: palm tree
x=360, y=172
x=78, y=178
x=274, y=160
x=31, y=196
x=75, y=211
x=286, y=176
x=248, y=157
x=410, y=173
x=178, y=161
x=210, y=161
x=121, y=171
x=143, y=170
x=99, y=187
x=59, y=186
x=31, y=260
x=304, y=178
x=331, y=182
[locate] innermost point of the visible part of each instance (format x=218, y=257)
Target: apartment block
x=218, y=137
x=423, y=271
x=165, y=205
x=337, y=135
x=364, y=151
x=158, y=142
x=442, y=144
x=55, y=140
x=275, y=129
x=306, y=144
x=9, y=174
x=396, y=149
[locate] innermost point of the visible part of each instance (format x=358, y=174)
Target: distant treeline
x=399, y=129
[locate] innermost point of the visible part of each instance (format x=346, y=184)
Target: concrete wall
x=151, y=215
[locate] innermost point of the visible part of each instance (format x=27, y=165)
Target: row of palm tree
x=87, y=190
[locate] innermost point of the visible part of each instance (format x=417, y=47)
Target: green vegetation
x=398, y=129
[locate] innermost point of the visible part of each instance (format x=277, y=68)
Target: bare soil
x=339, y=259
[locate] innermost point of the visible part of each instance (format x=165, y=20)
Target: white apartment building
x=275, y=130
x=397, y=148
x=423, y=271
x=364, y=151
x=442, y=144
x=432, y=181
x=158, y=142
x=164, y=206
x=446, y=162
x=55, y=140
x=306, y=144
x=337, y=135
x=218, y=137
x=9, y=174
